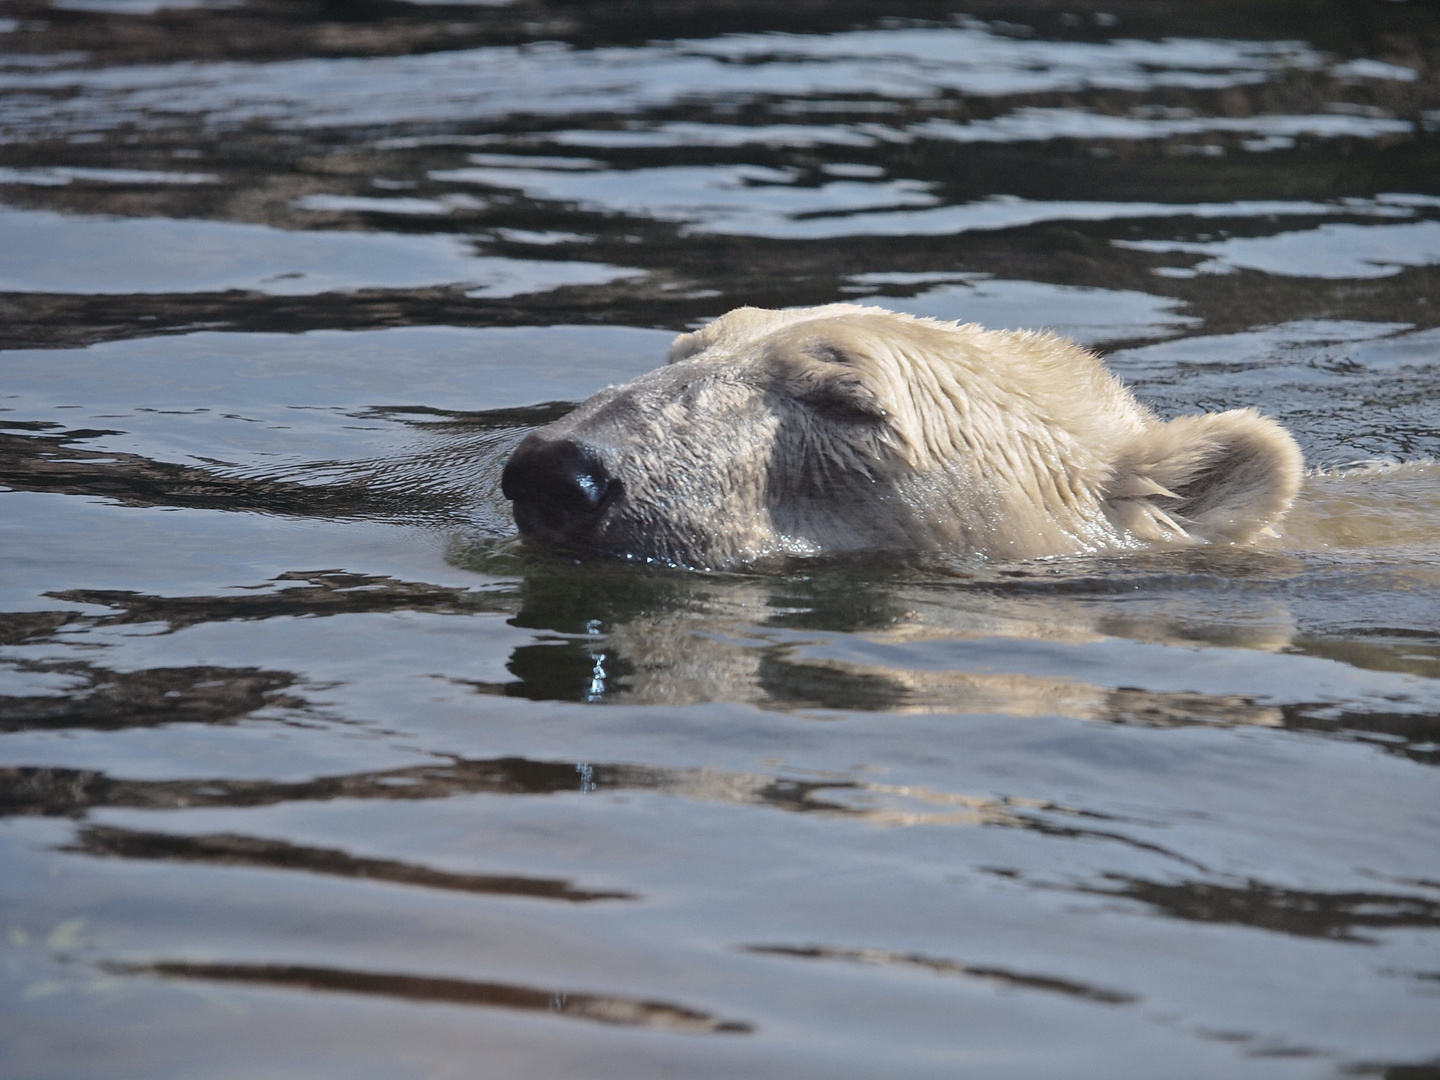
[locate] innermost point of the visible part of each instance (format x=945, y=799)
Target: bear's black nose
x=559, y=487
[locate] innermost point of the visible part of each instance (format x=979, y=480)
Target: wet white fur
x=845, y=428
x=1018, y=444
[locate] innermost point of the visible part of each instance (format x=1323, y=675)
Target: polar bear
x=845, y=428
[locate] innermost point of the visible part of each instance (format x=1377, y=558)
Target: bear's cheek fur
x=743, y=475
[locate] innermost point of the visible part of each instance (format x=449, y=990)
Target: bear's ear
x=732, y=330
x=1224, y=476
x=687, y=345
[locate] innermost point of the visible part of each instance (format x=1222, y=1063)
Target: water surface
x=309, y=768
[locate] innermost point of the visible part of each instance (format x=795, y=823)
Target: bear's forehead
x=737, y=330
x=931, y=372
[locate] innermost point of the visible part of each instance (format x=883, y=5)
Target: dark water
x=309, y=769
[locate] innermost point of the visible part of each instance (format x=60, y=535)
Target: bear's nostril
x=563, y=481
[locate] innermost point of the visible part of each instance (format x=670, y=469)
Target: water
x=308, y=768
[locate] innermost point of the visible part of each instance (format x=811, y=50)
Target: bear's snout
x=560, y=488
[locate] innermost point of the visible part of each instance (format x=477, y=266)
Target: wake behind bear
x=849, y=429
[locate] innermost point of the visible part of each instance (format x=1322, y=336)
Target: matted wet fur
x=844, y=428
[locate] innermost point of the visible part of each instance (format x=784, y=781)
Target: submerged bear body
x=844, y=428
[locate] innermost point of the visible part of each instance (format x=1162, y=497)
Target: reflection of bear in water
x=845, y=428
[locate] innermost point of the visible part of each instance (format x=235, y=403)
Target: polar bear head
x=844, y=428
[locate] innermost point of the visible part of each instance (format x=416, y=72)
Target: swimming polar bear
x=844, y=428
